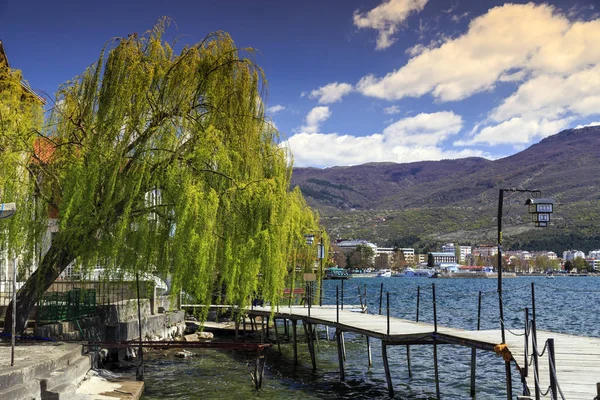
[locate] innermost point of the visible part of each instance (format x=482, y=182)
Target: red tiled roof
x=43, y=150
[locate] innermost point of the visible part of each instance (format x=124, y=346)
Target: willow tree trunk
x=54, y=262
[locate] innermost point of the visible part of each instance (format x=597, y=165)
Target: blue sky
x=356, y=81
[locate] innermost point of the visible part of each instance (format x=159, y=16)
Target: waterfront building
x=439, y=258
x=465, y=252
x=485, y=251
x=407, y=252
x=594, y=255
x=594, y=263
x=570, y=255
x=448, y=248
x=349, y=245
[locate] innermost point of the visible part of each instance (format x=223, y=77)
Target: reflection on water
x=564, y=304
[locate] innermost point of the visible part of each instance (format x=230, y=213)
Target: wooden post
x=140, y=371
x=263, y=355
x=316, y=336
x=473, y=350
x=408, y=361
x=436, y=370
x=342, y=294
x=508, y=380
x=386, y=366
x=295, y=341
x=311, y=346
x=552, y=369
x=435, y=357
x=536, y=369
x=255, y=372
x=434, y=308
x=417, y=320
x=337, y=304
x=380, y=297
x=533, y=301
x=526, y=346
x=309, y=296
x=277, y=335
x=369, y=352
x=387, y=294
x=267, y=328
x=343, y=346
x=338, y=334
x=418, y=301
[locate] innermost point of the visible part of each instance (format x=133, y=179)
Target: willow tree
x=162, y=162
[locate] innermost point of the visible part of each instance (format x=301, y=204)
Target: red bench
x=294, y=294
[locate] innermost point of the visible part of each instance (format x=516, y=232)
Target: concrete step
x=22, y=391
x=25, y=373
x=55, y=382
x=64, y=391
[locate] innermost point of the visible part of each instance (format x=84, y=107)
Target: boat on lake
x=384, y=273
x=416, y=273
x=336, y=273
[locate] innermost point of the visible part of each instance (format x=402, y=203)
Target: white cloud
x=506, y=39
x=275, y=109
x=554, y=61
x=423, y=129
x=588, y=125
x=315, y=117
x=411, y=139
x=554, y=95
x=517, y=131
x=386, y=18
x=331, y=93
x=391, y=110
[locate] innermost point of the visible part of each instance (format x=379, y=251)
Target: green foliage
x=163, y=162
x=20, y=117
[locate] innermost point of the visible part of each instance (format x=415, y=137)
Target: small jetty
x=551, y=365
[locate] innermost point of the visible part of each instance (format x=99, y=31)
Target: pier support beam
x=473, y=370
x=311, y=346
x=339, y=335
x=343, y=346
x=508, y=380
x=386, y=366
x=408, y=361
x=277, y=335
x=436, y=371
x=369, y=352
x=295, y=341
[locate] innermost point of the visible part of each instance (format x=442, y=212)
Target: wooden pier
x=576, y=359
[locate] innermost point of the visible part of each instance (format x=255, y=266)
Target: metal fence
x=74, y=303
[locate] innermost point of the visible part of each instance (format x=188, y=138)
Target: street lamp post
x=7, y=210
x=310, y=238
x=540, y=210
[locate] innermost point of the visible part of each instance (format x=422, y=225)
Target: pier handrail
x=554, y=386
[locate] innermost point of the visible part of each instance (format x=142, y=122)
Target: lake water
x=563, y=304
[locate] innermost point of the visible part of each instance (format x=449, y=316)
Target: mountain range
x=424, y=204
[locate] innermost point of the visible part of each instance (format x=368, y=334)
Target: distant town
x=361, y=254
